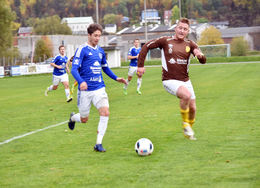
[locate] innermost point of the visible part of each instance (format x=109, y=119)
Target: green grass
x=226, y=154
x=209, y=60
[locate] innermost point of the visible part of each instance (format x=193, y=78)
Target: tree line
x=237, y=12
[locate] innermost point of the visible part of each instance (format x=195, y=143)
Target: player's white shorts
x=172, y=87
x=62, y=78
x=98, y=98
x=132, y=70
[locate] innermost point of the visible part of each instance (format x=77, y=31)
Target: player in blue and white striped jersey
x=88, y=61
x=60, y=73
x=132, y=56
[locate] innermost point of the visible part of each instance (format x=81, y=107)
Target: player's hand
x=83, y=86
x=198, y=53
x=59, y=67
x=121, y=80
x=140, y=71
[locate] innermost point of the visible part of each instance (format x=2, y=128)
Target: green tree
x=110, y=19
x=51, y=26
x=239, y=47
x=42, y=50
x=6, y=20
x=210, y=36
x=175, y=14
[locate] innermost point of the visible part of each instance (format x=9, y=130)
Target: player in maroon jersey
x=176, y=51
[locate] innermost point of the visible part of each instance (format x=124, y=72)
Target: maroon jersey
x=175, y=56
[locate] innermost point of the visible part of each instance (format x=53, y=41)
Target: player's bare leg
x=102, y=126
x=126, y=85
x=185, y=99
x=192, y=112
x=50, y=88
x=139, y=83
x=67, y=91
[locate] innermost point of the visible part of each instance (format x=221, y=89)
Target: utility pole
x=180, y=7
x=145, y=22
x=97, y=11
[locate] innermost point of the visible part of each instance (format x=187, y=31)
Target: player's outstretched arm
x=201, y=57
x=121, y=80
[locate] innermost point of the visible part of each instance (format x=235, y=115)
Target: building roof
x=239, y=31
x=77, y=20
x=23, y=30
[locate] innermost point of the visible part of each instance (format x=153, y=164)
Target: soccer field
x=225, y=154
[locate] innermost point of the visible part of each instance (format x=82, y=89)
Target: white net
x=218, y=50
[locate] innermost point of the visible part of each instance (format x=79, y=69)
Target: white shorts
x=62, y=78
x=172, y=86
x=98, y=98
x=132, y=70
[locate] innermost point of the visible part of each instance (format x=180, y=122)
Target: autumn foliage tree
x=43, y=50
x=239, y=47
x=210, y=36
x=6, y=18
x=51, y=26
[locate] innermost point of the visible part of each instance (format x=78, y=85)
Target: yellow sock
x=191, y=122
x=185, y=116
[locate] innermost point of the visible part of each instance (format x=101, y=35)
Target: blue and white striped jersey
x=134, y=52
x=87, y=64
x=60, y=60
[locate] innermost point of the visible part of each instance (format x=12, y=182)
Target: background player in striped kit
x=60, y=73
x=132, y=56
x=87, y=63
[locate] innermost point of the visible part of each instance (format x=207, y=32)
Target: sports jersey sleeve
x=76, y=63
x=194, y=46
x=156, y=43
x=105, y=67
x=54, y=60
x=130, y=52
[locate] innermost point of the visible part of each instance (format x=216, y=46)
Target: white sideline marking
x=32, y=132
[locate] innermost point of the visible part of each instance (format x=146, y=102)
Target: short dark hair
x=61, y=46
x=94, y=27
x=136, y=39
x=185, y=20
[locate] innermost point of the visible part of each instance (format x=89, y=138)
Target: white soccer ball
x=144, y=147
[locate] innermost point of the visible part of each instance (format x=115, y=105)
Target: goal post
x=217, y=50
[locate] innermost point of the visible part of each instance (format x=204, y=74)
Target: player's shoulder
x=100, y=49
x=165, y=38
x=56, y=57
x=189, y=41
x=81, y=48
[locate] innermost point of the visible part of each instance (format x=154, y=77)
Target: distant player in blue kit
x=87, y=63
x=132, y=56
x=60, y=73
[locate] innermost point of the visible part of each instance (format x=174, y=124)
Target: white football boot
x=188, y=132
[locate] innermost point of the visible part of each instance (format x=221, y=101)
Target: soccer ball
x=144, y=147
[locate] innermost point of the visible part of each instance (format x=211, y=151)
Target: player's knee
x=84, y=120
x=104, y=113
x=187, y=97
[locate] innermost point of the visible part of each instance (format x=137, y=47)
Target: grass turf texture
x=209, y=60
x=226, y=153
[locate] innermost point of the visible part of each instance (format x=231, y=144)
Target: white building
x=78, y=25
x=152, y=16
x=110, y=28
